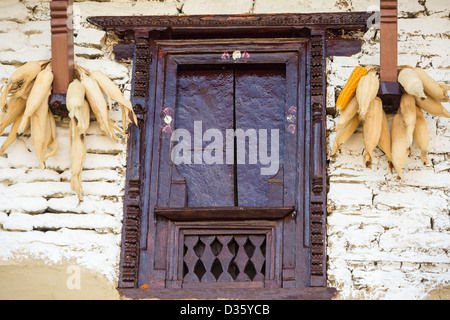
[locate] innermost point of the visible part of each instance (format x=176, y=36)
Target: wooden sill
x=310, y=293
x=224, y=213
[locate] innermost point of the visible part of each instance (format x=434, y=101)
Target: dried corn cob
x=97, y=102
x=20, y=80
x=366, y=91
x=112, y=91
x=430, y=86
x=75, y=98
x=38, y=94
x=433, y=107
x=39, y=132
x=421, y=136
x=408, y=110
x=349, y=90
x=411, y=82
x=399, y=147
x=14, y=109
x=347, y=114
x=372, y=126
x=344, y=134
x=385, y=139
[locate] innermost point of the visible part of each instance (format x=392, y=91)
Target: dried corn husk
x=344, y=134
x=385, y=139
x=52, y=143
x=366, y=91
x=399, y=147
x=97, y=103
x=11, y=136
x=347, y=114
x=19, y=80
x=421, y=136
x=112, y=91
x=372, y=126
x=14, y=109
x=77, y=157
x=39, y=131
x=408, y=110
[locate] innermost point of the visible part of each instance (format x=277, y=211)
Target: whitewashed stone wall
x=386, y=238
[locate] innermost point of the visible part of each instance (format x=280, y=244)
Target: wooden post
x=62, y=44
x=388, y=48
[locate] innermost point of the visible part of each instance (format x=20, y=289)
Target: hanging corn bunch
x=24, y=105
x=358, y=100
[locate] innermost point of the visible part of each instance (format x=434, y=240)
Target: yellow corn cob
x=399, y=148
x=421, y=136
x=408, y=110
x=97, y=102
x=349, y=90
x=366, y=91
x=430, y=86
x=77, y=157
x=372, y=126
x=19, y=80
x=39, y=132
x=344, y=134
x=432, y=106
x=11, y=136
x=385, y=139
x=411, y=82
x=75, y=98
x=347, y=114
x=38, y=94
x=14, y=109
x=51, y=136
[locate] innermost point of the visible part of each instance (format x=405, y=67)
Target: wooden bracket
x=62, y=52
x=389, y=87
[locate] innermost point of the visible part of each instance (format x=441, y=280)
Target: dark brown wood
x=62, y=44
x=224, y=213
x=164, y=252
x=342, y=46
x=313, y=293
x=217, y=24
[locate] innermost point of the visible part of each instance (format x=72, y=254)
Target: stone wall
x=386, y=238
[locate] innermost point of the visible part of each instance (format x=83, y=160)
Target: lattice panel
x=224, y=258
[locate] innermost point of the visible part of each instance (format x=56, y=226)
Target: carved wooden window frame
x=320, y=33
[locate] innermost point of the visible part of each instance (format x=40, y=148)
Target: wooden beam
x=388, y=40
x=62, y=44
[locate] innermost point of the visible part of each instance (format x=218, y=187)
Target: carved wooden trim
x=318, y=166
x=349, y=20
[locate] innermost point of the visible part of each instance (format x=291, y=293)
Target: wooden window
x=224, y=229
